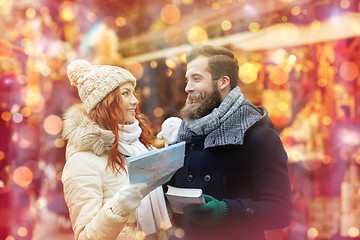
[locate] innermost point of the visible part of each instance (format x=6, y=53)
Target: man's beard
x=192, y=111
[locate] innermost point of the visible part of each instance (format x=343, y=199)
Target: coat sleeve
x=272, y=208
x=90, y=218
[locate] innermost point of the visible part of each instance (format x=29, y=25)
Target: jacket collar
x=83, y=134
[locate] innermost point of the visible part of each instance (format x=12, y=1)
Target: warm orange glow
x=278, y=75
x=158, y=112
x=23, y=176
x=120, y=21
x=6, y=116
x=170, y=14
x=348, y=70
x=248, y=73
x=52, y=124
x=136, y=69
x=68, y=11
x=197, y=36
x=2, y=155
x=146, y=91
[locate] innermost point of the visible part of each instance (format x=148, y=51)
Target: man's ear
x=224, y=82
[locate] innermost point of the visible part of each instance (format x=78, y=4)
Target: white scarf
x=152, y=213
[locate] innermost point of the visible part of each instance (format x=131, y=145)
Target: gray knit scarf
x=212, y=121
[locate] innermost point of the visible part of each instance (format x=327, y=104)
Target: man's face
x=203, y=93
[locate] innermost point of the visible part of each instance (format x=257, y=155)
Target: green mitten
x=207, y=214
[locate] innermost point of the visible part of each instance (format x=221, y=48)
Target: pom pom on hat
x=95, y=82
x=76, y=70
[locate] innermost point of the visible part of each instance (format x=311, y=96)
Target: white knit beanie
x=95, y=82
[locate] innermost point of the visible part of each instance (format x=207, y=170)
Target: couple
x=232, y=153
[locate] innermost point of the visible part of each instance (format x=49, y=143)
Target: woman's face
x=130, y=101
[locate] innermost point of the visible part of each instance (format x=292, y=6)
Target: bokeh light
x=348, y=70
x=22, y=231
x=313, y=233
x=158, y=112
x=136, y=69
x=180, y=233
x=120, y=21
x=248, y=72
x=140, y=235
x=59, y=143
x=353, y=232
x=197, y=36
x=170, y=14
x=254, y=27
x=278, y=75
x=6, y=116
x=17, y=118
x=68, y=11
x=52, y=124
x=226, y=25
x=2, y=155
x=23, y=176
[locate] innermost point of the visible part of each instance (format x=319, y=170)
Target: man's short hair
x=222, y=62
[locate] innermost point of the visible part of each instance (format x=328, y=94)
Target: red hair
x=111, y=112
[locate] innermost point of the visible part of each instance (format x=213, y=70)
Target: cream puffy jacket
x=88, y=184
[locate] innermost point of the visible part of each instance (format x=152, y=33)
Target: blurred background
x=298, y=58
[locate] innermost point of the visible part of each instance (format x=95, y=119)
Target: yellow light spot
x=197, y=36
x=52, y=124
x=2, y=155
x=355, y=27
x=17, y=118
x=170, y=14
x=136, y=69
x=22, y=231
x=353, y=232
x=295, y=10
x=23, y=176
x=168, y=72
x=26, y=112
x=226, y=25
x=322, y=82
x=283, y=106
x=59, y=143
x=140, y=235
x=153, y=64
x=179, y=233
x=284, y=18
x=183, y=57
x=313, y=233
x=158, y=112
x=315, y=25
x=120, y=21
x=68, y=11
x=326, y=120
x=41, y=203
x=9, y=238
x=215, y=5
x=254, y=27
x=6, y=116
x=248, y=73
x=170, y=63
x=30, y=13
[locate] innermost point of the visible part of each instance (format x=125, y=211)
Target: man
x=232, y=153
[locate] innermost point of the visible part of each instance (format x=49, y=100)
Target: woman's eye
x=125, y=93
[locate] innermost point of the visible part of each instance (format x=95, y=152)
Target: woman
x=101, y=132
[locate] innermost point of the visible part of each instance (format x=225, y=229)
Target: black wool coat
x=244, y=166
